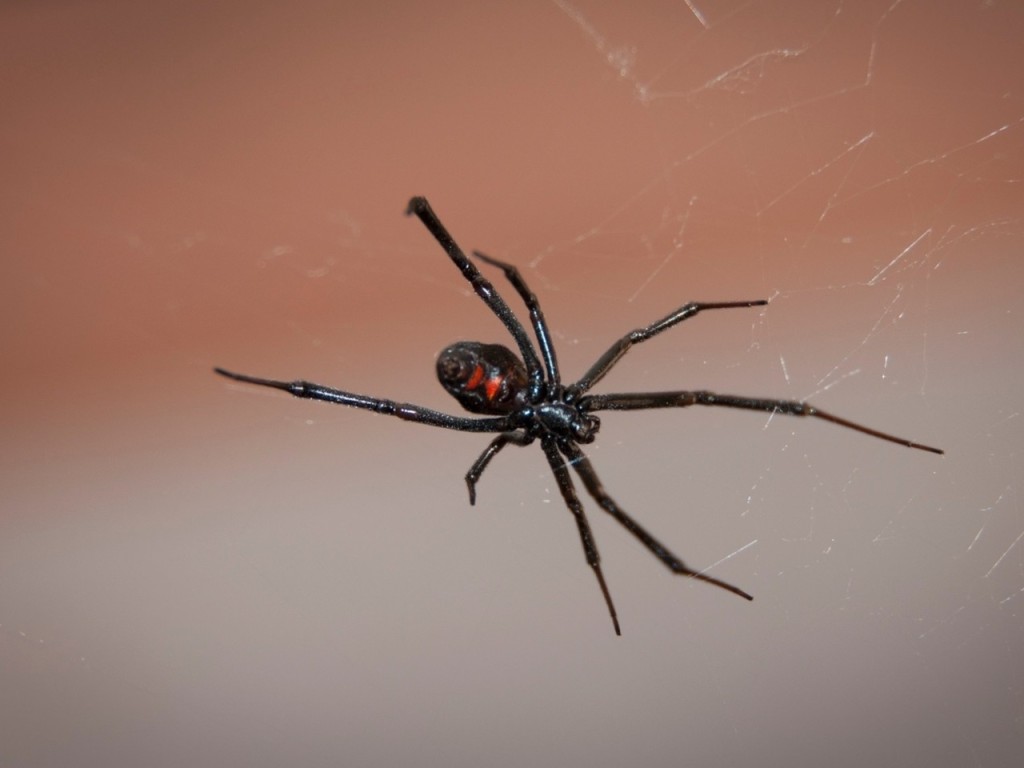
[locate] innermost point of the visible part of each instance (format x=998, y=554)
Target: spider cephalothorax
x=527, y=402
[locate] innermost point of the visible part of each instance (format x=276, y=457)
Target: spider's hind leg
x=540, y=326
x=419, y=207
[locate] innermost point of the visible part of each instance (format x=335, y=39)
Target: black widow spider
x=527, y=405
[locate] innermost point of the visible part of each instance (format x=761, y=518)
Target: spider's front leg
x=585, y=470
x=608, y=360
x=641, y=401
x=516, y=438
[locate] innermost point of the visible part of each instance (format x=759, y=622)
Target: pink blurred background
x=195, y=572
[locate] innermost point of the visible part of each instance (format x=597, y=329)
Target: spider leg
x=608, y=360
x=405, y=411
x=483, y=288
x=540, y=326
x=564, y=481
x=682, y=399
x=517, y=438
x=593, y=485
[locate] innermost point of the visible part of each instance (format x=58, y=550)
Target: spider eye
x=585, y=430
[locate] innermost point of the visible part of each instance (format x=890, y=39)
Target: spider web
x=224, y=186
x=846, y=167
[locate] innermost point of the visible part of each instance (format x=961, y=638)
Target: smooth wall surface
x=194, y=572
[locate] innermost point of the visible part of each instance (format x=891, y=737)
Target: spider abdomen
x=484, y=378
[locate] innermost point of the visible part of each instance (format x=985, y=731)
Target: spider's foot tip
x=416, y=204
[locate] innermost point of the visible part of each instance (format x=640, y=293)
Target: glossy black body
x=484, y=378
x=526, y=402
